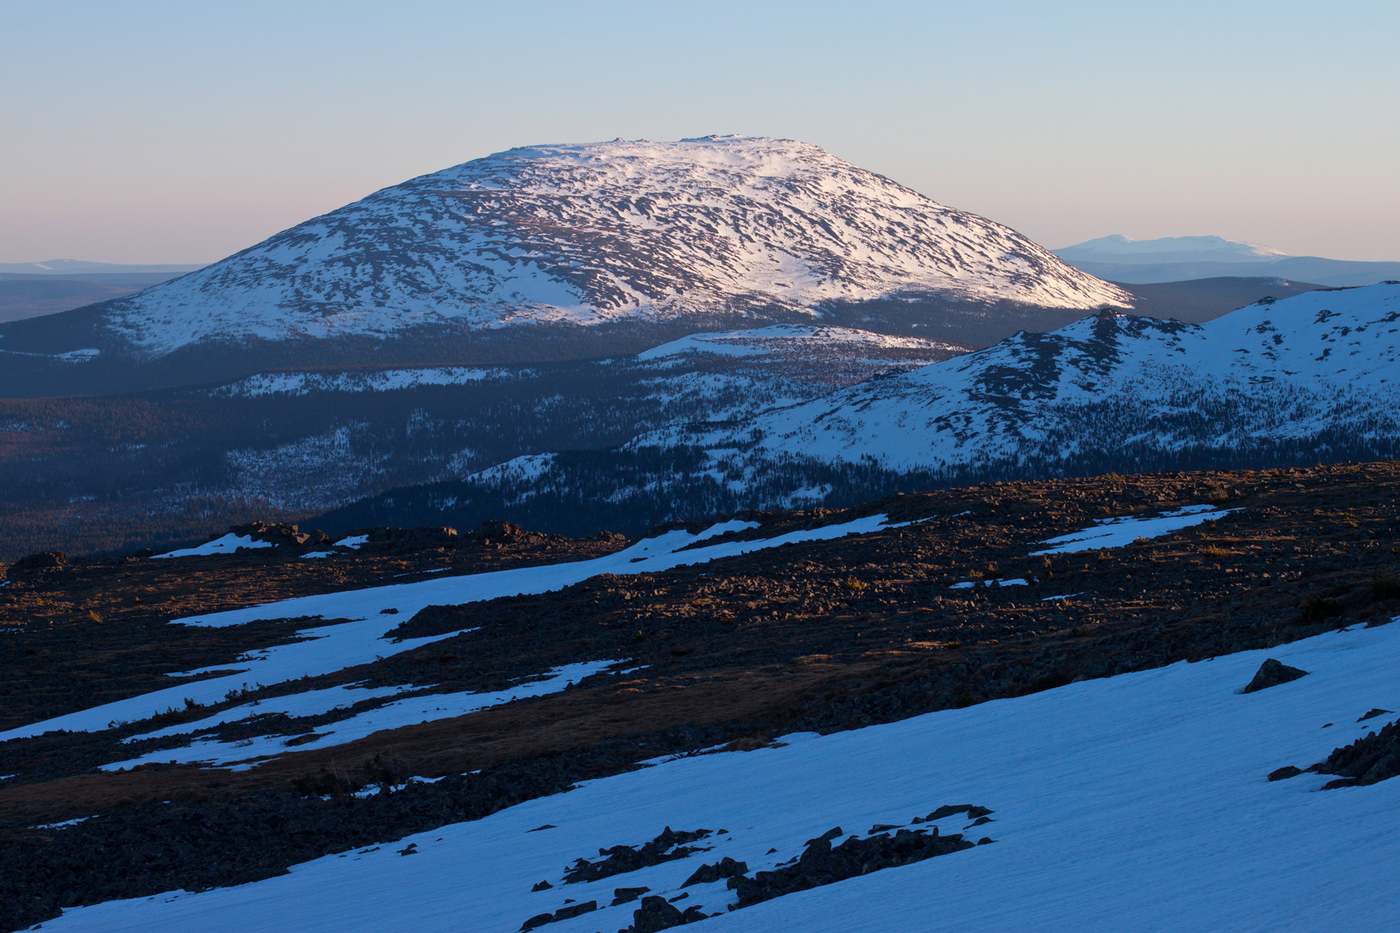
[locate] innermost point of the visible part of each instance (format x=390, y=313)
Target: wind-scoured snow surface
x=1269, y=372
x=1138, y=802
x=361, y=638
x=601, y=232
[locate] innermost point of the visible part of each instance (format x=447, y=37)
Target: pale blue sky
x=180, y=132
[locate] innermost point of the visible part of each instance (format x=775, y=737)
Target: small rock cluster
x=563, y=913
x=499, y=532
x=667, y=847
x=657, y=914
x=409, y=540
x=724, y=868
x=979, y=814
x=279, y=533
x=1374, y=757
x=822, y=863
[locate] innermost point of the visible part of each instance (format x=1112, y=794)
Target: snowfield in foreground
x=1138, y=802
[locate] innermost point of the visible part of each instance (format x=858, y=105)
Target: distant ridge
x=33, y=289
x=1118, y=248
x=1175, y=259
x=75, y=267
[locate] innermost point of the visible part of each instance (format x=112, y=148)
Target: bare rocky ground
x=820, y=636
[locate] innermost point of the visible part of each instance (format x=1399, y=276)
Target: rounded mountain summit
x=637, y=241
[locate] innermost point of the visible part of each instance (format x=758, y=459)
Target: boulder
x=574, y=910
x=1282, y=774
x=724, y=868
x=655, y=914
x=1272, y=673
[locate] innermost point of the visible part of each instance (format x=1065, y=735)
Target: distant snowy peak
x=1121, y=249
x=603, y=232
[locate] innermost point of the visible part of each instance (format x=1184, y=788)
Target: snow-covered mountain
x=597, y=233
x=1291, y=370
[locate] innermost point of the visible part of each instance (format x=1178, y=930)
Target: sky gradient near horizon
x=149, y=131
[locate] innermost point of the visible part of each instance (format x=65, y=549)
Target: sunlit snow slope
x=1138, y=802
x=600, y=232
x=1296, y=369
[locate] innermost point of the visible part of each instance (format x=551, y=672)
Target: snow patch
x=73, y=822
x=969, y=584
x=429, y=707
x=1118, y=532
x=228, y=544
